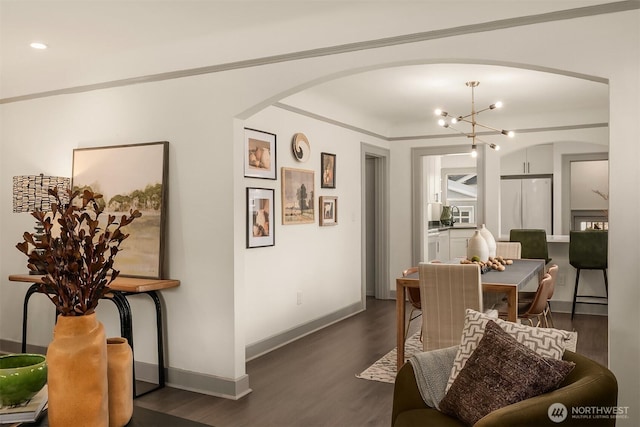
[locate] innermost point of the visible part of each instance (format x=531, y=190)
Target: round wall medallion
x=300, y=147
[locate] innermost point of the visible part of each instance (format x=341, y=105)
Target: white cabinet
x=534, y=160
x=442, y=252
x=431, y=171
x=438, y=245
x=458, y=239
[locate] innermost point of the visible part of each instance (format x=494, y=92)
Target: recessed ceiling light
x=38, y=45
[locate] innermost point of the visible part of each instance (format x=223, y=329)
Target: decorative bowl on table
x=22, y=376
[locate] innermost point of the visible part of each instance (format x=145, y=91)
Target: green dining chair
x=533, y=241
x=588, y=250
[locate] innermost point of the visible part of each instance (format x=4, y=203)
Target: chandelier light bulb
x=495, y=147
x=498, y=104
x=438, y=112
x=441, y=122
x=509, y=133
x=474, y=151
x=454, y=120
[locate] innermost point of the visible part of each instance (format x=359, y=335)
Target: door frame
x=382, y=215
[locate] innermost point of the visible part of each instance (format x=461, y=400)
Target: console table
x=120, y=288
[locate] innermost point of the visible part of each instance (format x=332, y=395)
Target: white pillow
x=546, y=342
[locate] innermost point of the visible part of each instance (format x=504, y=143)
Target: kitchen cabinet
x=458, y=239
x=534, y=160
x=437, y=245
x=431, y=172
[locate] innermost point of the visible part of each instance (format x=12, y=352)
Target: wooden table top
x=122, y=284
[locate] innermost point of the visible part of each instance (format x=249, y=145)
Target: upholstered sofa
x=588, y=386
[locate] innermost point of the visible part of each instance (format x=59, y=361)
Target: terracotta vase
x=77, y=377
x=120, y=379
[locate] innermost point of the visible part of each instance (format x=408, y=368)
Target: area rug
x=384, y=370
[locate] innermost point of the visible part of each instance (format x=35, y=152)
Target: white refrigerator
x=526, y=203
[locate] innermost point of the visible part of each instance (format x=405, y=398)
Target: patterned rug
x=384, y=370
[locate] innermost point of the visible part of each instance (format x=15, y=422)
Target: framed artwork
x=130, y=177
x=260, y=229
x=328, y=168
x=298, y=202
x=328, y=210
x=259, y=154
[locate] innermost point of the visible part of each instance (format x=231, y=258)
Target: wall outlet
x=562, y=279
x=299, y=297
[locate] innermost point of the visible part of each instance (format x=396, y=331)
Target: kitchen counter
x=436, y=226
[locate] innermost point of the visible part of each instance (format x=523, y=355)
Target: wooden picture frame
x=259, y=154
x=328, y=170
x=130, y=177
x=298, y=196
x=328, y=210
x=260, y=211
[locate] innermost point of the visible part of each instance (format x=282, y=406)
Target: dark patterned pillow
x=501, y=371
x=546, y=342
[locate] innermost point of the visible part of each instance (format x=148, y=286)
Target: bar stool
x=588, y=250
x=533, y=241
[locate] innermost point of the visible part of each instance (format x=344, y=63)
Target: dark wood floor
x=311, y=382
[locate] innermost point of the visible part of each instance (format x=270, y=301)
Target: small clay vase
x=120, y=379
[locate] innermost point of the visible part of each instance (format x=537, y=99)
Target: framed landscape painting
x=260, y=154
x=260, y=229
x=130, y=177
x=298, y=202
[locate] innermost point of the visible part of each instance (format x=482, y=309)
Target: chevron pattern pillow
x=546, y=342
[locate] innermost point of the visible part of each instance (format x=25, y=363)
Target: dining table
x=508, y=281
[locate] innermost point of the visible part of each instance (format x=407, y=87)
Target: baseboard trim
x=593, y=309
x=148, y=372
x=269, y=344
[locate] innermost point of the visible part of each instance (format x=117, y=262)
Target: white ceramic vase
x=477, y=247
x=491, y=241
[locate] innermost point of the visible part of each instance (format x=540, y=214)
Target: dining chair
x=533, y=241
x=446, y=291
x=536, y=308
x=509, y=250
x=413, y=295
x=525, y=298
x=588, y=250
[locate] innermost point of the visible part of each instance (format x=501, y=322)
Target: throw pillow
x=501, y=371
x=544, y=341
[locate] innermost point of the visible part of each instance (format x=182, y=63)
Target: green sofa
x=589, y=385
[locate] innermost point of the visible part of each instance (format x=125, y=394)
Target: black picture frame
x=260, y=156
x=328, y=170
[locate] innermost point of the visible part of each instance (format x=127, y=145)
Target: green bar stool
x=588, y=250
x=533, y=241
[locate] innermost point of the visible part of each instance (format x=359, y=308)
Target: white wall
x=198, y=115
x=323, y=263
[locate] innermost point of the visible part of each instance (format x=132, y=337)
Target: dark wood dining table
x=513, y=278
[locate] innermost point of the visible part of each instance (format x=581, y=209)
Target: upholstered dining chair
x=588, y=250
x=446, y=291
x=413, y=295
x=533, y=241
x=509, y=250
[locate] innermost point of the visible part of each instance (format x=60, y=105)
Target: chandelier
x=471, y=119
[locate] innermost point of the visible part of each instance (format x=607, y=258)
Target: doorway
x=375, y=222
